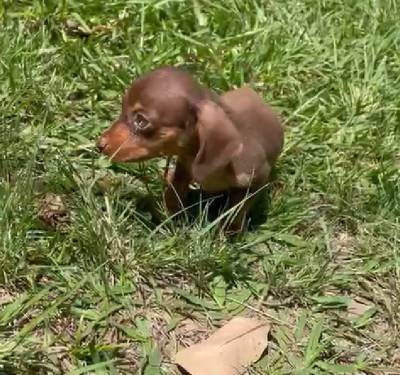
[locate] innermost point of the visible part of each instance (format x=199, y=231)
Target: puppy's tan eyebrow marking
x=137, y=107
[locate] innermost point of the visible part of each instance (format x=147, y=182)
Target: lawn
x=89, y=284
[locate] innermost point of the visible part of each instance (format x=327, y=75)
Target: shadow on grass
x=206, y=207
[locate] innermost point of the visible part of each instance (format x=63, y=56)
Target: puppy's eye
x=140, y=122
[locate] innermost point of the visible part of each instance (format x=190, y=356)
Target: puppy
x=224, y=143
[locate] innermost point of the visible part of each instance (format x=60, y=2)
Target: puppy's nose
x=101, y=144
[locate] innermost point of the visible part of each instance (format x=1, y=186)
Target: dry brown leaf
x=52, y=212
x=5, y=297
x=357, y=308
x=228, y=351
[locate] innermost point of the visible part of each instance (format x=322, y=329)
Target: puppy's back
x=255, y=120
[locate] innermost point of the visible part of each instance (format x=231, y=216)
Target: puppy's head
x=155, y=114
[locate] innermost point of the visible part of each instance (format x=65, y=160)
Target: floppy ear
x=219, y=140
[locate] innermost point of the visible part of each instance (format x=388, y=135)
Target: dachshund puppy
x=224, y=143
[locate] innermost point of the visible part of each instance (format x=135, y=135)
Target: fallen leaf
x=228, y=351
x=5, y=297
x=53, y=213
x=356, y=309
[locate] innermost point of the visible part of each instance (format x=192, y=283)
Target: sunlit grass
x=107, y=294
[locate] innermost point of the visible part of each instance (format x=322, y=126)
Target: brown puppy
x=223, y=143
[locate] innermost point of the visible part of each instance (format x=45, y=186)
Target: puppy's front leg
x=243, y=199
x=175, y=195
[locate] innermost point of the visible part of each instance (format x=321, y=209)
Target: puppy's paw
x=234, y=228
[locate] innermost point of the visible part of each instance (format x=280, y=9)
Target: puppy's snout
x=101, y=144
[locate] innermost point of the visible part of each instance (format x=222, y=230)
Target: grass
x=108, y=292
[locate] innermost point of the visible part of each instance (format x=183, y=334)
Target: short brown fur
x=225, y=143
